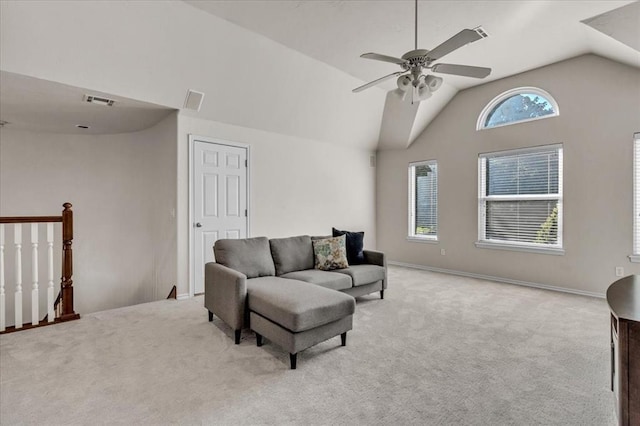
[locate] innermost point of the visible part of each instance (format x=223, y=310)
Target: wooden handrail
x=30, y=219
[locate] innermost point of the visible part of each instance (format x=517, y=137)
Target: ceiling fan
x=414, y=62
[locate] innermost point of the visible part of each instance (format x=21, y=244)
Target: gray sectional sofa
x=271, y=286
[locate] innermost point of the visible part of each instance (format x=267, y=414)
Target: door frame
x=192, y=139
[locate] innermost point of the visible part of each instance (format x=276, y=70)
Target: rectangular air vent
x=193, y=100
x=98, y=100
x=481, y=32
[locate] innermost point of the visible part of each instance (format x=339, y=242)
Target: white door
x=219, y=200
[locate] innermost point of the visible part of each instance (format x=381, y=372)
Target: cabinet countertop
x=623, y=297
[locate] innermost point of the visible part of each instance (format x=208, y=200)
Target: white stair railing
x=17, y=241
x=51, y=316
x=35, y=291
x=35, y=302
x=3, y=308
x=65, y=309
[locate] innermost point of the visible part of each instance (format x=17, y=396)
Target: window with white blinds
x=636, y=199
x=520, y=199
x=423, y=201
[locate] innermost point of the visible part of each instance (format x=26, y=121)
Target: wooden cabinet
x=623, y=297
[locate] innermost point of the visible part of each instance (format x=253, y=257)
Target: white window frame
x=635, y=257
x=411, y=235
x=480, y=124
x=483, y=242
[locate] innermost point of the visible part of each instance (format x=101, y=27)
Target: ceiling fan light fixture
x=433, y=82
x=424, y=93
x=404, y=82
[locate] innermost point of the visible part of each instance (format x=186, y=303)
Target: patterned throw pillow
x=330, y=253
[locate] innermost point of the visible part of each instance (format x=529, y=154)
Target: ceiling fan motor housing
x=416, y=54
x=416, y=60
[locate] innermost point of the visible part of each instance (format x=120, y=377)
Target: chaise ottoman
x=297, y=315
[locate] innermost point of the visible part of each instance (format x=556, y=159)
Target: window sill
x=428, y=240
x=523, y=248
x=635, y=258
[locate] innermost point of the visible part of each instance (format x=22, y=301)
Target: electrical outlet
x=619, y=271
x=443, y=252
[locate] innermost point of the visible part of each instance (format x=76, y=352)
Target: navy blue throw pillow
x=355, y=245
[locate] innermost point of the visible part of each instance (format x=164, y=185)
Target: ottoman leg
x=381, y=294
x=343, y=337
x=210, y=316
x=237, y=336
x=259, y=339
x=293, y=358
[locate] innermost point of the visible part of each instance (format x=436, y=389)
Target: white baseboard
x=182, y=296
x=499, y=279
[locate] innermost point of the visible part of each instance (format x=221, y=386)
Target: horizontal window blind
x=520, y=197
x=636, y=194
x=423, y=199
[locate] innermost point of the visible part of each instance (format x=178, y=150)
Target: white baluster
x=2, y=302
x=50, y=300
x=35, y=303
x=17, y=240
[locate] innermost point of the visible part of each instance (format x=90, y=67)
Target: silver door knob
x=198, y=225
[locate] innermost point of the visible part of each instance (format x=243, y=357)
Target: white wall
x=154, y=51
x=298, y=186
x=310, y=156
x=599, y=112
x=123, y=192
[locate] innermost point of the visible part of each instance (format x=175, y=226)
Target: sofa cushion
x=355, y=245
x=326, y=279
x=292, y=254
x=363, y=274
x=330, y=253
x=251, y=256
x=296, y=305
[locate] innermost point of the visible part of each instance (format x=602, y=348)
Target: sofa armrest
x=225, y=293
x=375, y=258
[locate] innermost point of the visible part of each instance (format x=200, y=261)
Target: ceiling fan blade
x=384, y=58
x=464, y=70
x=462, y=38
x=374, y=82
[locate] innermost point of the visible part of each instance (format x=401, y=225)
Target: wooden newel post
x=67, y=265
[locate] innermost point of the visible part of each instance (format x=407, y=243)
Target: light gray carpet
x=439, y=350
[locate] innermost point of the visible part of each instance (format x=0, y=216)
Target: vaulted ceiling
x=288, y=67
x=523, y=35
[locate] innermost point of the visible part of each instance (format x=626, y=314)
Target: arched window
x=516, y=106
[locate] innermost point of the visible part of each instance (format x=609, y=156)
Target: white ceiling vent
x=481, y=32
x=98, y=100
x=193, y=100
